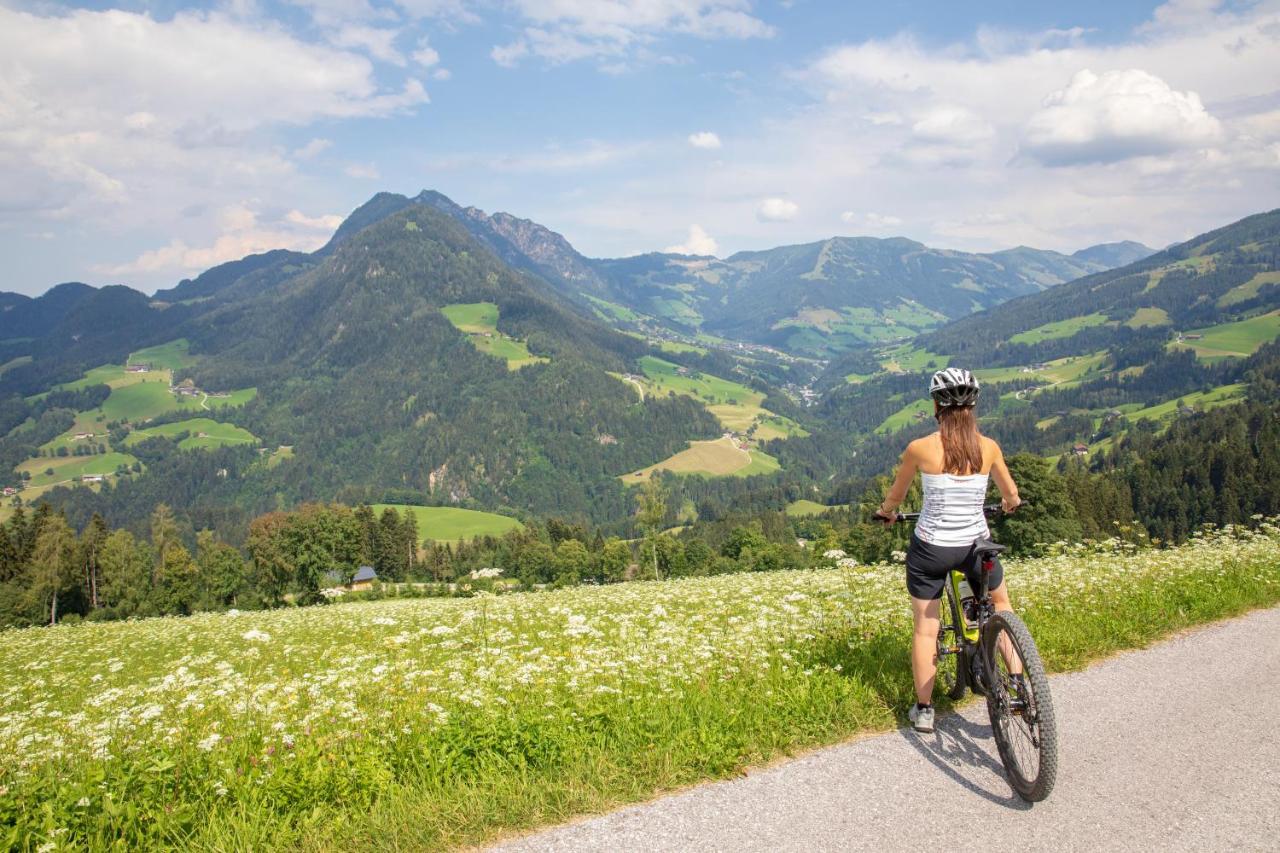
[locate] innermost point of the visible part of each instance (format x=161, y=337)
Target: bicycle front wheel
x=951, y=658
x=1020, y=706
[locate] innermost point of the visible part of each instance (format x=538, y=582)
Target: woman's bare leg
x=1000, y=600
x=924, y=646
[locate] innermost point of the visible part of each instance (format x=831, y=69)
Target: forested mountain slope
x=1077, y=369
x=837, y=294
x=357, y=370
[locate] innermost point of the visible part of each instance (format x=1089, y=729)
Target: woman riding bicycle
x=955, y=464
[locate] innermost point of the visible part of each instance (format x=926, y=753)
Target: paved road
x=1171, y=748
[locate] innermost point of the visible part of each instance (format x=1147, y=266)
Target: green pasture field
x=1058, y=329
x=1249, y=289
x=175, y=355
x=1148, y=317
x=69, y=469
x=479, y=321
x=911, y=359
x=1234, y=340
x=1061, y=372
x=452, y=723
x=805, y=507
x=718, y=458
x=735, y=405
x=205, y=433
x=1202, y=400
x=472, y=317
x=452, y=524
x=607, y=310
x=770, y=426
x=906, y=416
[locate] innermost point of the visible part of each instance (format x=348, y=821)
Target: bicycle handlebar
x=989, y=510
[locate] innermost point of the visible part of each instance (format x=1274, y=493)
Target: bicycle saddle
x=986, y=548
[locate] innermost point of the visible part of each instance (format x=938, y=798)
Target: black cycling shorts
x=928, y=566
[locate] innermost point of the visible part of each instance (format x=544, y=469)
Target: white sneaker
x=921, y=718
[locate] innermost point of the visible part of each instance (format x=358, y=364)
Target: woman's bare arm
x=1004, y=480
x=901, y=483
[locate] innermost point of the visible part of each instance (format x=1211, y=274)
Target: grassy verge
x=410, y=724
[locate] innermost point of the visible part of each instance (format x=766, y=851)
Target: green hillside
x=453, y=524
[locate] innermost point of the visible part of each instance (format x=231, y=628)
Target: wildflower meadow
x=440, y=723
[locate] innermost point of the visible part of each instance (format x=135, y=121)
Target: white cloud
x=1114, y=116
x=367, y=171
x=327, y=223
x=874, y=220
x=378, y=42
x=561, y=31
x=776, y=210
x=242, y=234
x=114, y=110
x=699, y=242
x=953, y=125
x=704, y=139
x=426, y=55
x=313, y=149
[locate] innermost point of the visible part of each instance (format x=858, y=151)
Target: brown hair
x=961, y=449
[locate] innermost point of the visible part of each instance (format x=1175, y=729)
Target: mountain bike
x=993, y=654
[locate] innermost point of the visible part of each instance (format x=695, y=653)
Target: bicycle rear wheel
x=1020, y=706
x=951, y=658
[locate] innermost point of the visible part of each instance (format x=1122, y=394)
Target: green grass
x=1201, y=400
x=761, y=463
x=428, y=724
x=1148, y=317
x=769, y=426
x=1249, y=289
x=205, y=434
x=907, y=415
x=451, y=524
x=479, y=321
x=805, y=507
x=911, y=359
x=736, y=406
x=69, y=469
x=175, y=355
x=142, y=400
x=612, y=311
x=1003, y=374
x=1235, y=340
x=1059, y=329
x=472, y=317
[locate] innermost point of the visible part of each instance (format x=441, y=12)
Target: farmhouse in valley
x=363, y=579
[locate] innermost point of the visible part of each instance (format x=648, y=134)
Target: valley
x=478, y=361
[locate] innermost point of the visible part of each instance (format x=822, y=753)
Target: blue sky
x=142, y=142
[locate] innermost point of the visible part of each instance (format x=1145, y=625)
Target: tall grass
x=440, y=723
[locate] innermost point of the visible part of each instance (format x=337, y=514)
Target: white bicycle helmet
x=954, y=386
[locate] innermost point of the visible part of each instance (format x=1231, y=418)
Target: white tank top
x=952, y=511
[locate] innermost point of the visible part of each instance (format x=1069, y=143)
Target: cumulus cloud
x=776, y=210
x=114, y=108
x=705, y=139
x=243, y=233
x=699, y=242
x=1117, y=115
x=560, y=31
